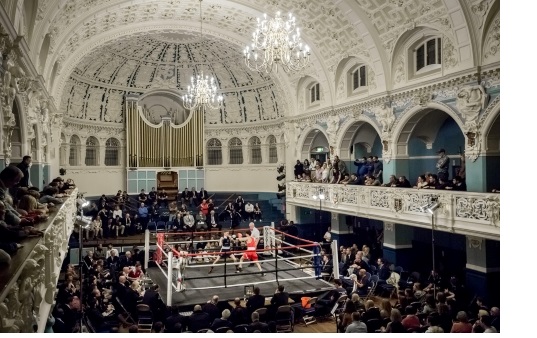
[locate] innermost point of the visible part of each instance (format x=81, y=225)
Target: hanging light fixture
x=277, y=42
x=202, y=92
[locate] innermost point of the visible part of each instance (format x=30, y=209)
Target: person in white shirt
x=255, y=232
x=117, y=212
x=249, y=209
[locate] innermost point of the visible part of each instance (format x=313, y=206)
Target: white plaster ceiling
x=334, y=29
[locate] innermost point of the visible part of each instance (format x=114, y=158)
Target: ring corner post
x=169, y=286
x=335, y=259
x=146, y=249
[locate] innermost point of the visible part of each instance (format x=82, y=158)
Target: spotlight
x=280, y=177
x=83, y=221
x=281, y=187
x=430, y=208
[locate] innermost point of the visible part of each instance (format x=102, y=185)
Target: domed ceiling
x=167, y=60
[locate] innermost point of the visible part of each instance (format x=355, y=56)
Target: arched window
x=92, y=151
x=235, y=151
x=74, y=151
x=255, y=150
x=428, y=53
x=111, y=153
x=315, y=93
x=214, y=152
x=273, y=149
x=359, y=78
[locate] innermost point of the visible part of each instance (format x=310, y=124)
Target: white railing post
x=335, y=259
x=146, y=249
x=169, y=285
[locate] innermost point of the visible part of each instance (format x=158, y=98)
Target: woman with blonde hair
x=386, y=306
x=395, y=326
x=28, y=204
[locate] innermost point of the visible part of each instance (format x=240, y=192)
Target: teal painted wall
x=36, y=175
x=46, y=174
x=2, y=163
x=449, y=137
x=476, y=174
x=492, y=165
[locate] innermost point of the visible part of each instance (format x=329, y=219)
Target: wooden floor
x=324, y=326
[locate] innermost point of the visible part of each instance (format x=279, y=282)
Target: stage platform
x=213, y=283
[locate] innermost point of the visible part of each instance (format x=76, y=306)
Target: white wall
x=241, y=178
x=98, y=181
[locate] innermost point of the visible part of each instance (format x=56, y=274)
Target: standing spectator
x=24, y=166
x=255, y=301
x=442, y=165
x=361, y=168
x=198, y=319
x=249, y=211
x=377, y=168
x=153, y=195
x=143, y=213
x=299, y=169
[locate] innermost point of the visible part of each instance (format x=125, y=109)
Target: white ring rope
x=258, y=282
x=261, y=261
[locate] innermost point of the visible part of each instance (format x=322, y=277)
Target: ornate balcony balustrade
x=28, y=284
x=466, y=213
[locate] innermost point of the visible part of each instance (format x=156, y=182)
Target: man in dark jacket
x=211, y=309
x=222, y=322
x=256, y=325
x=198, y=320
x=256, y=301
x=239, y=315
x=24, y=166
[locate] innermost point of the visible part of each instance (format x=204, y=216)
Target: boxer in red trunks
x=250, y=253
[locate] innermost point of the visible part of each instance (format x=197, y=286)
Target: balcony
x=465, y=213
x=28, y=284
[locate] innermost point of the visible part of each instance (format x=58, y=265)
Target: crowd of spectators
x=369, y=172
x=23, y=207
x=124, y=215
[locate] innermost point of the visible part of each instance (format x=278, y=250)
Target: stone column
x=483, y=269
x=340, y=230
x=397, y=245
x=37, y=175
x=396, y=166
x=225, y=154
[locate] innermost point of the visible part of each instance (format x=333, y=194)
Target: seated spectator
x=458, y=184
x=157, y=327
x=411, y=321
x=256, y=325
x=198, y=319
x=461, y=325
x=28, y=206
x=10, y=236
x=434, y=323
x=49, y=194
x=345, y=318
x=222, y=322
x=393, y=182
x=353, y=180
x=239, y=314
x=495, y=315
x=371, y=312
x=357, y=326
x=371, y=180
x=345, y=179
x=135, y=274
x=404, y=183
x=421, y=182
x=395, y=325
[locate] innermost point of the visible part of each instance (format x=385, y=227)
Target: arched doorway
x=492, y=157
x=423, y=134
x=359, y=139
x=315, y=146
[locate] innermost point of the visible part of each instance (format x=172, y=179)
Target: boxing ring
x=183, y=273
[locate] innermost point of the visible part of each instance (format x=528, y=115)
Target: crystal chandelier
x=202, y=93
x=274, y=42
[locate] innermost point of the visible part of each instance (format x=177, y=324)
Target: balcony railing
x=28, y=284
x=467, y=213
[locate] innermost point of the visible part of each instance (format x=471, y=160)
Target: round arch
x=410, y=118
x=306, y=140
x=488, y=126
x=348, y=132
